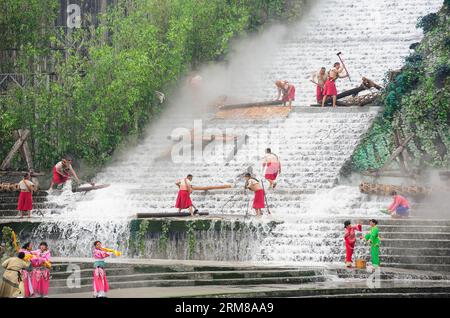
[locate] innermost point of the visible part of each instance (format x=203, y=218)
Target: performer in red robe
x=25, y=203
x=258, y=200
x=319, y=79
x=350, y=239
x=63, y=171
x=329, y=88
x=184, y=194
x=272, y=166
x=287, y=90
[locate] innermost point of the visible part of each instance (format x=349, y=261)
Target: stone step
x=16, y=198
x=362, y=291
x=426, y=267
x=414, y=251
x=16, y=194
x=191, y=282
x=414, y=259
x=127, y=275
x=37, y=206
x=415, y=243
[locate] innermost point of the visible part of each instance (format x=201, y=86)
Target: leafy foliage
x=102, y=88
x=416, y=102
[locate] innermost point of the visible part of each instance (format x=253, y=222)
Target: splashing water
x=313, y=145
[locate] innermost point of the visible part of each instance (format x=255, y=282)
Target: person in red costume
x=350, y=239
x=272, y=166
x=253, y=185
x=62, y=172
x=400, y=206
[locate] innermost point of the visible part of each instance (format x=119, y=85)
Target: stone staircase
x=41, y=205
x=256, y=281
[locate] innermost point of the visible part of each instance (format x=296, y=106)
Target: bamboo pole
x=6, y=163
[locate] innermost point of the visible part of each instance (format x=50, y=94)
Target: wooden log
x=86, y=189
x=167, y=215
x=254, y=104
x=395, y=154
x=21, y=173
x=219, y=187
x=398, y=143
x=387, y=175
x=24, y=150
x=6, y=163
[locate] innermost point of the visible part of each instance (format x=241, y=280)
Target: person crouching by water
x=253, y=185
x=11, y=285
x=286, y=91
x=350, y=240
x=62, y=172
x=184, y=195
x=25, y=202
x=40, y=276
x=400, y=207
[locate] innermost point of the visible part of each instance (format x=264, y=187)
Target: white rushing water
x=374, y=37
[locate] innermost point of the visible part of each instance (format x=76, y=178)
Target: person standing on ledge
x=374, y=240
x=319, y=79
x=253, y=185
x=184, y=195
x=25, y=203
x=400, y=207
x=329, y=89
x=286, y=92
x=63, y=171
x=272, y=166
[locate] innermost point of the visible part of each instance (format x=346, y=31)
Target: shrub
x=428, y=22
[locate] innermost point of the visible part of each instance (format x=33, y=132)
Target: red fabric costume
x=258, y=200
x=319, y=94
x=290, y=95
x=272, y=170
x=350, y=239
x=57, y=178
x=183, y=200
x=330, y=88
x=25, y=202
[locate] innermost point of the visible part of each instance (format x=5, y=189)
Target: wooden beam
x=21, y=173
x=401, y=158
x=220, y=187
x=395, y=154
x=167, y=215
x=6, y=163
x=25, y=150
x=254, y=104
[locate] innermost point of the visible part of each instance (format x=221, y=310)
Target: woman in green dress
x=373, y=238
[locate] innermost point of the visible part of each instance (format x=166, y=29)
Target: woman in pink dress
x=101, y=286
x=25, y=273
x=40, y=276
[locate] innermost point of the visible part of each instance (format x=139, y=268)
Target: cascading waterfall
x=313, y=144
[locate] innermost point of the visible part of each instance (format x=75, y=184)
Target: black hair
x=268, y=150
x=95, y=243
x=21, y=255
x=68, y=158
x=43, y=243
x=393, y=192
x=26, y=245
x=27, y=175
x=248, y=175
x=347, y=223
x=373, y=221
x=336, y=64
x=189, y=175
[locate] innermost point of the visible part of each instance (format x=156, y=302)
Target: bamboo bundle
x=386, y=189
x=9, y=187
